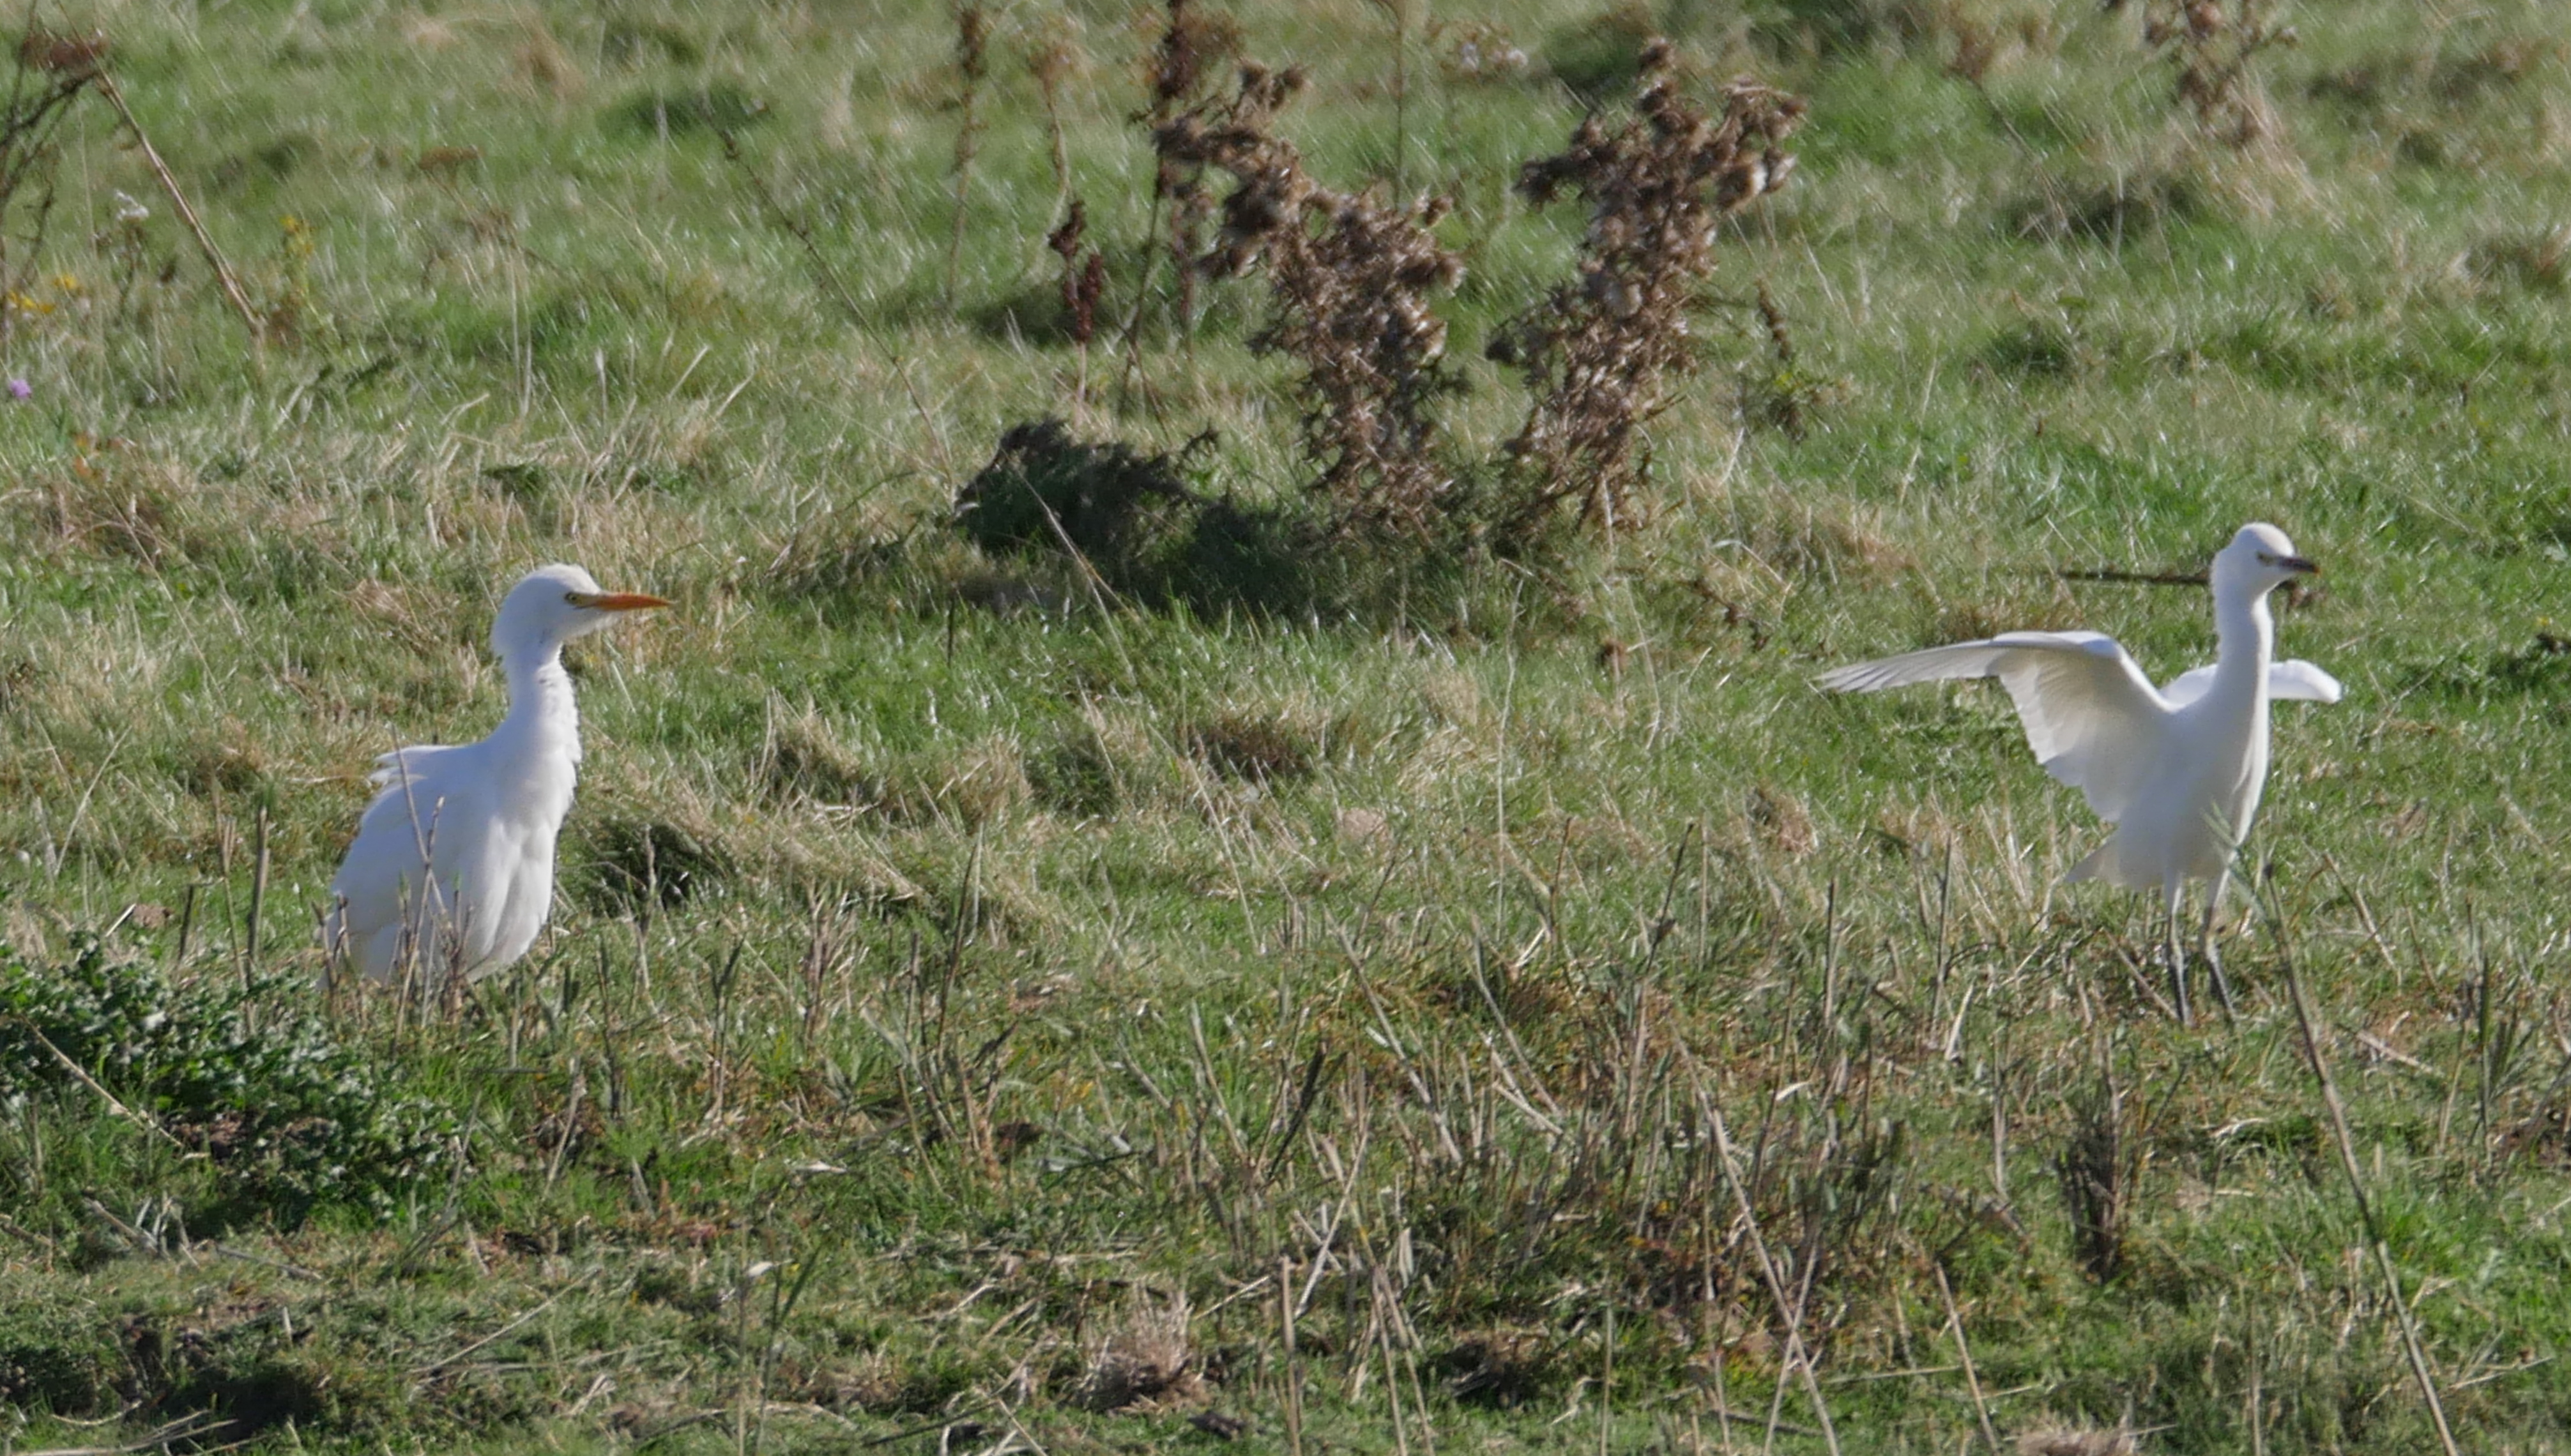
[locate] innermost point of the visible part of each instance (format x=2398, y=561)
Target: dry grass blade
x=2098, y=1167
x=2383, y=1250
x=2076, y=1443
x=1788, y=1310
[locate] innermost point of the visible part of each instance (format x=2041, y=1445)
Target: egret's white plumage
x=2179, y=770
x=452, y=870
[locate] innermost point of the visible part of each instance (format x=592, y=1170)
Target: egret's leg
x=2177, y=956
x=2214, y=961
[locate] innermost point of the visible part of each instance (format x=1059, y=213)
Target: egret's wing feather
x=386, y=868
x=2292, y=681
x=416, y=762
x=2092, y=717
x=2188, y=687
x=2296, y=679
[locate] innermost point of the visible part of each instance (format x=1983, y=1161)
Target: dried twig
x=972, y=41
x=51, y=72
x=108, y=88
x=104, y=1096
x=2383, y=1250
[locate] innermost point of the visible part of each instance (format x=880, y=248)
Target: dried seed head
x=64, y=55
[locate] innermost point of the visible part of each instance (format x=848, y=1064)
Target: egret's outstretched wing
x=2291, y=680
x=2296, y=679
x=2092, y=717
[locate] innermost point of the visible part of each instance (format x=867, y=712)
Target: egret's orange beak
x=615, y=601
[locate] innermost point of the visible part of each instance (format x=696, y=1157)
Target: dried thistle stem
x=972, y=43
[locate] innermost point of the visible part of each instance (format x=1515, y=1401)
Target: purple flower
x=21, y=389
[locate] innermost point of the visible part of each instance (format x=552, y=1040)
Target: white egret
x=2177, y=770
x=452, y=870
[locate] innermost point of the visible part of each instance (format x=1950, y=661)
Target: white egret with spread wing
x=2177, y=770
x=452, y=869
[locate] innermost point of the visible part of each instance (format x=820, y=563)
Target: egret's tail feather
x=2101, y=863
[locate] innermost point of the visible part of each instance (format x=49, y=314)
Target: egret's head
x=554, y=603
x=2259, y=560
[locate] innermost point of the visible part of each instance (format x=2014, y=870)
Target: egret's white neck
x=2246, y=637
x=543, y=724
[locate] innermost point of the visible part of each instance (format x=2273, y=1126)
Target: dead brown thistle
x=1084, y=279
x=52, y=71
x=1051, y=63
x=1349, y=277
x=1598, y=352
x=1192, y=46
x=972, y=42
x=2213, y=46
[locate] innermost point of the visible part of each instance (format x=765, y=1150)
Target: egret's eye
x=2267, y=558
x=573, y=597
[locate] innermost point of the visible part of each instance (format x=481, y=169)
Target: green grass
x=1056, y=972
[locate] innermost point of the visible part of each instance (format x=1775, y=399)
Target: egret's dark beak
x=2300, y=566
x=614, y=601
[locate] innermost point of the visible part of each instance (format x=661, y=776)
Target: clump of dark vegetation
x=1600, y=353
x=638, y=867
x=1133, y=523
x=2213, y=49
x=1349, y=279
x=717, y=108
x=1500, y=1368
x=1045, y=491
x=288, y=1118
x=1075, y=775
x=2112, y=209
x=2541, y=668
x=2098, y=1166
x=1248, y=746
x=802, y=758
x=1602, y=54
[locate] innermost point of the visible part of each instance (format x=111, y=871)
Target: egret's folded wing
x=2092, y=717
x=410, y=785
x=2291, y=680
x=415, y=764
x=2296, y=679
x=386, y=864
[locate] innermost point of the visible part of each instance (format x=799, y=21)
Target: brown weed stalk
x=1192, y=48
x=972, y=62
x=51, y=72
x=1348, y=277
x=1599, y=352
x=1050, y=63
x=1084, y=280
x=2213, y=46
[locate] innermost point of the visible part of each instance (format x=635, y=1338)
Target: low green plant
x=288, y=1117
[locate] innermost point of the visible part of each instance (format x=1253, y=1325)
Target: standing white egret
x=452, y=871
x=2178, y=771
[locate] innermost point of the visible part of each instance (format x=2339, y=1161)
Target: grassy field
x=1376, y=1002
